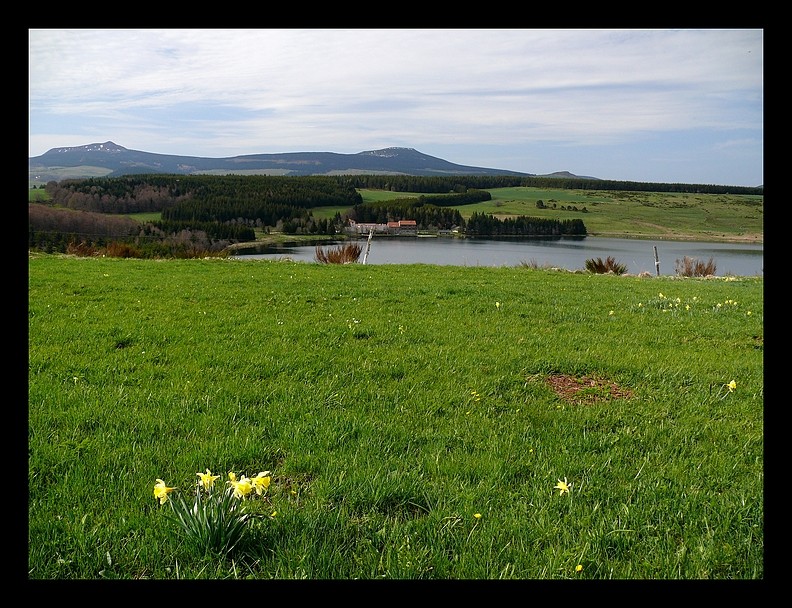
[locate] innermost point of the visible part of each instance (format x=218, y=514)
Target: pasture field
x=37, y=195
x=620, y=214
x=418, y=421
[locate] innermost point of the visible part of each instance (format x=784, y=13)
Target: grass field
x=416, y=420
x=647, y=214
x=677, y=216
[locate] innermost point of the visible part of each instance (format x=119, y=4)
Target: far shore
x=746, y=239
x=280, y=238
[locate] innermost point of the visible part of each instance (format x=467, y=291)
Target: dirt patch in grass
x=586, y=390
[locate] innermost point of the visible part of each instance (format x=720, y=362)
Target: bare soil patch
x=586, y=390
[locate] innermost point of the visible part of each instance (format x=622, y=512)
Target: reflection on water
x=566, y=253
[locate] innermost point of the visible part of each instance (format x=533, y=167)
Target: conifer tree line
x=441, y=184
x=201, y=213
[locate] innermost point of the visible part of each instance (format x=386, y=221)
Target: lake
x=567, y=253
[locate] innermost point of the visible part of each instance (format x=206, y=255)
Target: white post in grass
x=368, y=245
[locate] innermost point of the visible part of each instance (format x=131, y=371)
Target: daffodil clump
x=666, y=303
x=217, y=519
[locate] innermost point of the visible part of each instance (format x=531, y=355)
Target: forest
x=204, y=214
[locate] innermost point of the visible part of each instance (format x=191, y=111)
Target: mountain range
x=108, y=159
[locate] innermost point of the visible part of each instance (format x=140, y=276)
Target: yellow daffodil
x=242, y=488
x=161, y=491
x=216, y=521
x=562, y=487
x=732, y=385
x=579, y=568
x=261, y=482
x=206, y=480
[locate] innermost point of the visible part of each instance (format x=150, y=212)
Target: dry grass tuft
x=598, y=266
x=348, y=253
x=691, y=267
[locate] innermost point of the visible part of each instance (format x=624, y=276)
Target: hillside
x=110, y=159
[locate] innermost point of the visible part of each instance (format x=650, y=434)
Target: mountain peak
x=107, y=146
x=388, y=152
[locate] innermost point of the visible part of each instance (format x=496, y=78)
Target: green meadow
x=618, y=214
x=418, y=421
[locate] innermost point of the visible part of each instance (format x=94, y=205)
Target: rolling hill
x=110, y=159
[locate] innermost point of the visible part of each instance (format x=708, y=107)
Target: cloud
x=228, y=92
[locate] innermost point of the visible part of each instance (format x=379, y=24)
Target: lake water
x=567, y=253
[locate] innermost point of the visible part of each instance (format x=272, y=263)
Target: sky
x=644, y=105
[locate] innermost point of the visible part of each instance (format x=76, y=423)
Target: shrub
x=692, y=267
x=82, y=249
x=534, y=265
x=610, y=264
x=123, y=250
x=347, y=253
